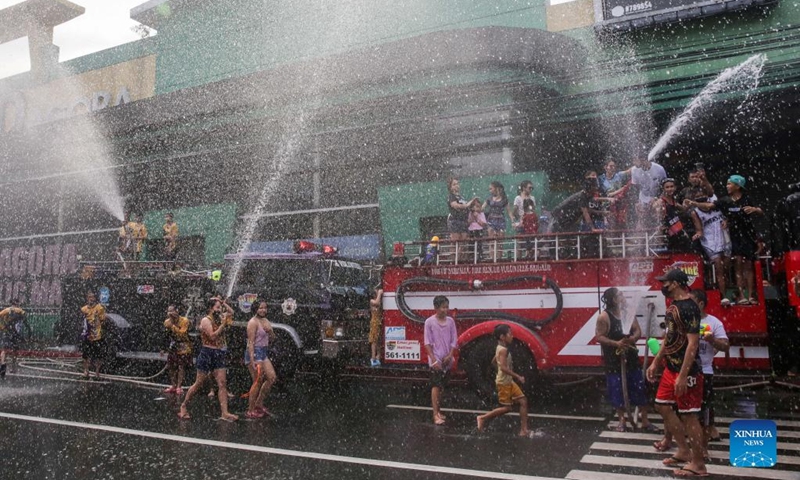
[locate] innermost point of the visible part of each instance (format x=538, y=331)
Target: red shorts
x=689, y=402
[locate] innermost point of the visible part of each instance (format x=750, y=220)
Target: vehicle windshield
x=346, y=274
x=277, y=279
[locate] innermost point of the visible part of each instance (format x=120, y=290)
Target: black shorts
x=180, y=360
x=440, y=378
x=97, y=350
x=457, y=225
x=743, y=247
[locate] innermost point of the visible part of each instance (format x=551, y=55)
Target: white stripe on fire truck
x=503, y=299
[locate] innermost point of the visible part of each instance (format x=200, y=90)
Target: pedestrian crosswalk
x=630, y=455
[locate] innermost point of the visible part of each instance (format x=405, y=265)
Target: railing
x=549, y=247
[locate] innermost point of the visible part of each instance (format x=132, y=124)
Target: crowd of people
x=642, y=198
x=685, y=392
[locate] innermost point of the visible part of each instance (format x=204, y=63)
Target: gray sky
x=105, y=24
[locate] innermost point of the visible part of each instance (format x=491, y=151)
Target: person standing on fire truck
x=139, y=232
x=441, y=343
x=211, y=360
x=738, y=209
x=682, y=380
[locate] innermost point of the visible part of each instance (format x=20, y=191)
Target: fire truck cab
x=548, y=289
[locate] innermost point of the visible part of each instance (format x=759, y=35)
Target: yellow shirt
x=5, y=316
x=139, y=234
x=170, y=230
x=95, y=319
x=125, y=237
x=179, y=330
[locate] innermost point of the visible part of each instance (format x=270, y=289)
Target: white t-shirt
x=519, y=207
x=707, y=351
x=648, y=181
x=713, y=240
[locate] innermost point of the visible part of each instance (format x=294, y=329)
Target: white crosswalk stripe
x=630, y=455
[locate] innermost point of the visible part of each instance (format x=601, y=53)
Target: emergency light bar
x=304, y=246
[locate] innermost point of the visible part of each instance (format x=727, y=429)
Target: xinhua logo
x=754, y=443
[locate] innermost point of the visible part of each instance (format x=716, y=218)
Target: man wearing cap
x=738, y=209
x=681, y=384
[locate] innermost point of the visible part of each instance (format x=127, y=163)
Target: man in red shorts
x=681, y=384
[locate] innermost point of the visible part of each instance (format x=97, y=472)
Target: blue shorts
x=210, y=359
x=259, y=352
x=636, y=389
x=497, y=224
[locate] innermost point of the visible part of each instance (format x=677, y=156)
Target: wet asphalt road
x=64, y=429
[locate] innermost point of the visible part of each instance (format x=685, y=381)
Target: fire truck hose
x=406, y=285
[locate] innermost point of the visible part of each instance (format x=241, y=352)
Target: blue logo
x=395, y=333
x=754, y=443
x=105, y=295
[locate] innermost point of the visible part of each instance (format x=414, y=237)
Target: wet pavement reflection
x=348, y=431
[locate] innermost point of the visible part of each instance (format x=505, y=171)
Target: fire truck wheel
x=481, y=373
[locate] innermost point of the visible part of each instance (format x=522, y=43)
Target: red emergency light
x=304, y=246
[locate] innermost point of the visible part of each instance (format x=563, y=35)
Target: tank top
x=610, y=357
x=672, y=220
x=713, y=234
x=218, y=343
x=503, y=378
x=262, y=338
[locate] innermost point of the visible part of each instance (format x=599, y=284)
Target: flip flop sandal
x=661, y=447
x=673, y=461
x=688, y=472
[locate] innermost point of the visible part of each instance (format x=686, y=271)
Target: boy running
x=508, y=392
x=441, y=343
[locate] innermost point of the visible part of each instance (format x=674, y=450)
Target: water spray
x=743, y=77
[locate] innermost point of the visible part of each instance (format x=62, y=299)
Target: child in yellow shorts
x=508, y=392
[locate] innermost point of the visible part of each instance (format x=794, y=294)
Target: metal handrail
x=551, y=246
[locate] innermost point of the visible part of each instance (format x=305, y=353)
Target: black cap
x=675, y=275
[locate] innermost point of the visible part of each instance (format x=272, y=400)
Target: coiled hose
x=407, y=284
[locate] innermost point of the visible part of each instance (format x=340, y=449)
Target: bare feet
x=480, y=424
x=438, y=420
x=183, y=414
x=229, y=417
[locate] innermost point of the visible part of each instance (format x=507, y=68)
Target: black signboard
x=629, y=14
x=620, y=9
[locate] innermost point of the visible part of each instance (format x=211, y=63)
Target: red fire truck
x=548, y=288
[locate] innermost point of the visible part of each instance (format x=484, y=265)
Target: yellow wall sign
x=79, y=94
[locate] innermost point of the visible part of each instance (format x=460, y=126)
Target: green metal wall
x=215, y=223
x=211, y=41
x=402, y=206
